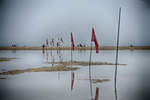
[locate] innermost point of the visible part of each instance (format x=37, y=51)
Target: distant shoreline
x=78, y=48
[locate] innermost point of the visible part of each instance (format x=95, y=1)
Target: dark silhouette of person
x=43, y=48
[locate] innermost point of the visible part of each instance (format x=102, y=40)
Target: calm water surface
x=132, y=81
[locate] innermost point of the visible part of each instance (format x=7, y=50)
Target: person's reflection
x=43, y=52
x=53, y=60
x=58, y=75
x=47, y=56
x=51, y=52
x=60, y=60
x=43, y=48
x=13, y=51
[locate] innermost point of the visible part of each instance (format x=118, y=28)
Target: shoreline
x=78, y=48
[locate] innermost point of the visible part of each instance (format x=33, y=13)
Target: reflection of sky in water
x=132, y=79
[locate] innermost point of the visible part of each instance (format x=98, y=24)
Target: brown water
x=132, y=81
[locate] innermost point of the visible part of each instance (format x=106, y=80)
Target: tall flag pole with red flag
x=115, y=79
x=52, y=57
x=47, y=42
x=72, y=73
x=93, y=39
x=51, y=47
x=46, y=49
x=61, y=40
x=72, y=41
x=53, y=42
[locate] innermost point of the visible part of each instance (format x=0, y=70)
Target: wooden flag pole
x=90, y=80
x=115, y=82
x=93, y=39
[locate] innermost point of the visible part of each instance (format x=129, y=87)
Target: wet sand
x=100, y=80
x=97, y=80
x=40, y=69
x=83, y=63
x=61, y=66
x=6, y=59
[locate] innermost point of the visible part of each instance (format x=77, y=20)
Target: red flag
x=53, y=42
x=97, y=93
x=61, y=39
x=93, y=39
x=72, y=80
x=72, y=41
x=47, y=42
x=93, y=35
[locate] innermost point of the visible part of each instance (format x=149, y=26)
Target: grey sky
x=30, y=22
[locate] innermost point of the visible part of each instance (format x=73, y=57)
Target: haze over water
x=31, y=22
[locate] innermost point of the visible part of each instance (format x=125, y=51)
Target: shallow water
x=132, y=81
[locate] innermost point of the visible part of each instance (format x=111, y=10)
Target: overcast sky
x=31, y=22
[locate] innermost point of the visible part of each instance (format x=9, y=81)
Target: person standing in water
x=43, y=48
